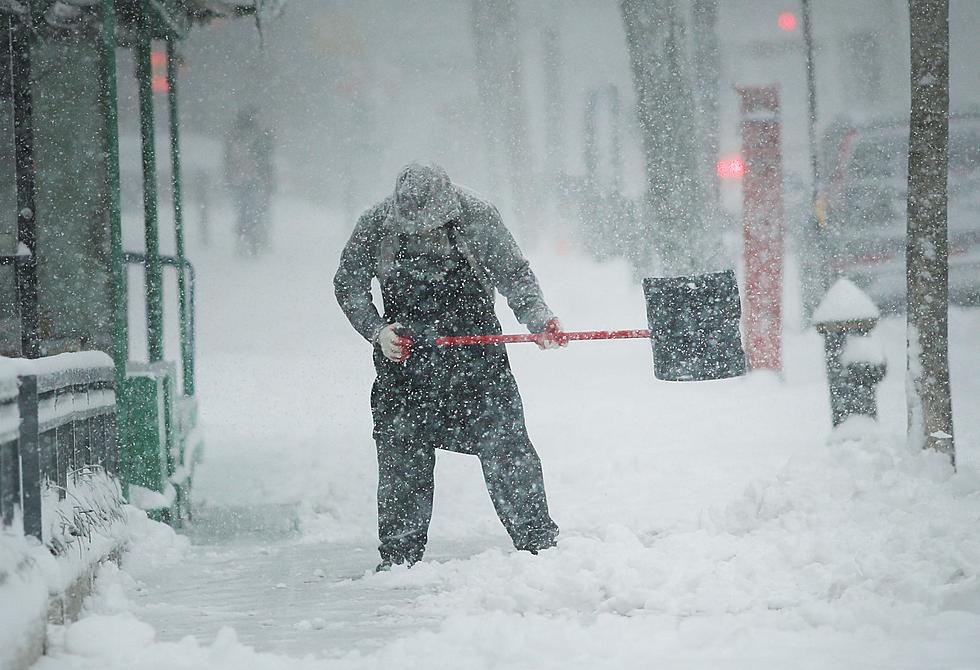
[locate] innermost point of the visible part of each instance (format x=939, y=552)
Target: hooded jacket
x=480, y=235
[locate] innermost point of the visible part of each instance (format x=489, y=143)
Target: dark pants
x=252, y=225
x=407, y=437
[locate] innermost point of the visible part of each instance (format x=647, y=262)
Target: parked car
x=865, y=170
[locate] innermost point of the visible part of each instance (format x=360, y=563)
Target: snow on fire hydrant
x=855, y=361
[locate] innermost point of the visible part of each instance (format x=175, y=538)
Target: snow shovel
x=693, y=328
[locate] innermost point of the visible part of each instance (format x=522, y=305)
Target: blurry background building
x=352, y=91
x=355, y=90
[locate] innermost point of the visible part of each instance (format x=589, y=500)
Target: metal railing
x=185, y=269
x=64, y=411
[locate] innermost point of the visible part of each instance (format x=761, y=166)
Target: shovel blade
x=694, y=326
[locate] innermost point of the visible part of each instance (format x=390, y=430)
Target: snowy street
x=716, y=524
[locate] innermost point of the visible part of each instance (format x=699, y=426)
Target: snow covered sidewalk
x=291, y=596
x=717, y=524
x=863, y=556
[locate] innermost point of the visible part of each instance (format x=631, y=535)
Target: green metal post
x=120, y=338
x=26, y=269
x=186, y=353
x=154, y=274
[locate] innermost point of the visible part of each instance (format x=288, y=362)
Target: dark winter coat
x=480, y=236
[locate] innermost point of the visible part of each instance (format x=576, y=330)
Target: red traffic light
x=158, y=66
x=787, y=22
x=731, y=167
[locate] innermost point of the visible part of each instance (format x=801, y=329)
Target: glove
x=552, y=337
x=395, y=347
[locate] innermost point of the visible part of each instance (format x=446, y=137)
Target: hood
x=424, y=200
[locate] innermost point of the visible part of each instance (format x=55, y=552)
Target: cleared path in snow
x=248, y=568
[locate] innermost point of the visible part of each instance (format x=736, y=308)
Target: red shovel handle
x=462, y=340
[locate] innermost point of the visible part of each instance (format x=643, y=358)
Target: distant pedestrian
x=439, y=254
x=251, y=180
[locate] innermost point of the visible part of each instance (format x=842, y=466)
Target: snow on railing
x=61, y=506
x=59, y=458
x=9, y=416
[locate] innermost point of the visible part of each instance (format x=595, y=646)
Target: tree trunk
x=676, y=193
x=707, y=71
x=930, y=410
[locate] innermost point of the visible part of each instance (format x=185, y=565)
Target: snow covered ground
x=717, y=523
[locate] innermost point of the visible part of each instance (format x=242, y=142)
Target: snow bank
x=745, y=564
x=151, y=543
x=863, y=538
x=30, y=575
x=80, y=526
x=23, y=600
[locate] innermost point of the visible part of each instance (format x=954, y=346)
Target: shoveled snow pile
x=151, y=543
x=23, y=597
x=847, y=547
x=863, y=535
x=29, y=571
x=80, y=524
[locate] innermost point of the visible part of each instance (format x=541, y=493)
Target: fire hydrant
x=846, y=318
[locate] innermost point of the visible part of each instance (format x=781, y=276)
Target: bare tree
x=676, y=192
x=930, y=411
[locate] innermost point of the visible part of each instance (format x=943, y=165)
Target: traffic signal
x=787, y=22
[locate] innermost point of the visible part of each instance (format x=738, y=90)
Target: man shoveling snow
x=439, y=254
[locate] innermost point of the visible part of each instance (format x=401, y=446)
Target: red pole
x=463, y=340
x=762, y=217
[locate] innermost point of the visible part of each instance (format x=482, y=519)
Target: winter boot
x=387, y=564
x=538, y=539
